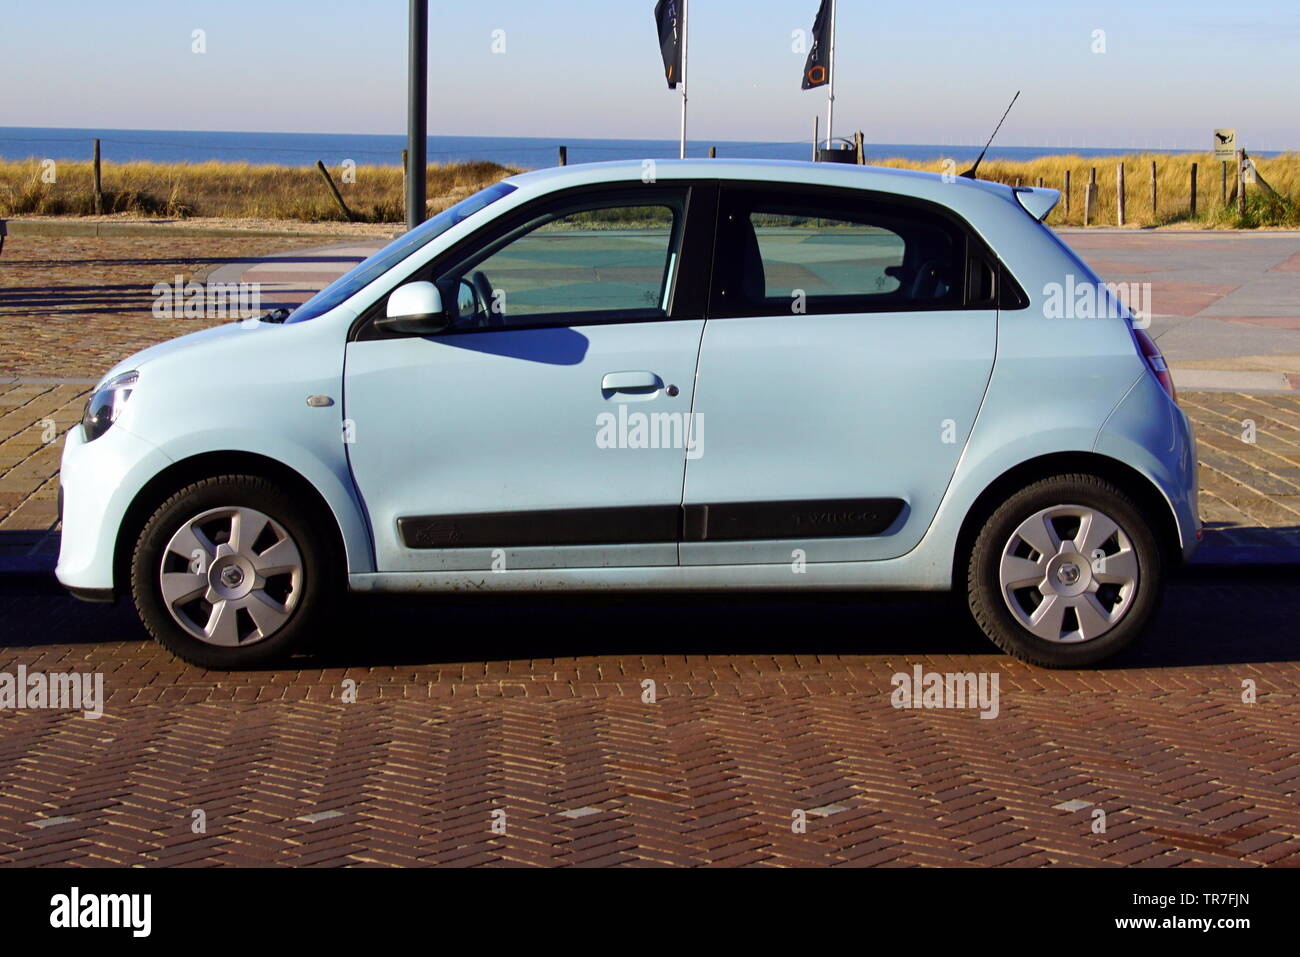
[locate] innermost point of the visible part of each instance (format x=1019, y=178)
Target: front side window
x=820, y=254
x=364, y=273
x=602, y=260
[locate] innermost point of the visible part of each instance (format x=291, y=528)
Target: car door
x=537, y=431
x=843, y=364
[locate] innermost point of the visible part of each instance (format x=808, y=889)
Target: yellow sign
x=1225, y=144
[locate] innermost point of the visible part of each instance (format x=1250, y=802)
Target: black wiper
x=275, y=315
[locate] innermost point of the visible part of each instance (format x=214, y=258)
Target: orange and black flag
x=668, y=16
x=816, y=72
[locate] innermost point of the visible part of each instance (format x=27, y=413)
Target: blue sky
x=934, y=72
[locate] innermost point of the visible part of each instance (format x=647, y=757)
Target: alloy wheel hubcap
x=231, y=576
x=1068, y=573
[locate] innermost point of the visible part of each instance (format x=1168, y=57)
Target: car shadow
x=1209, y=617
x=62, y=302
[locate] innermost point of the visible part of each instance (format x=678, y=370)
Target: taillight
x=1151, y=352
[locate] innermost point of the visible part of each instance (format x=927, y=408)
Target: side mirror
x=416, y=309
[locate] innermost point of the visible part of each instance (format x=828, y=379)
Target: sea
x=304, y=149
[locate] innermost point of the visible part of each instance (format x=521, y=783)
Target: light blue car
x=668, y=376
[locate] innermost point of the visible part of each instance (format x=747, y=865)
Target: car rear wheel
x=231, y=572
x=1066, y=573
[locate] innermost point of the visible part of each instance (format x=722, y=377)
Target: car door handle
x=631, y=382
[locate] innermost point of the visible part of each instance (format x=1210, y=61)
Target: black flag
x=668, y=18
x=816, y=72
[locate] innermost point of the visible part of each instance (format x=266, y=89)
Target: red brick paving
x=1186, y=298
x=713, y=772
x=1289, y=265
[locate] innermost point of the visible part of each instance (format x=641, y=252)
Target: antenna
x=970, y=173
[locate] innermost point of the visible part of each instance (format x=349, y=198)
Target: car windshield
x=361, y=275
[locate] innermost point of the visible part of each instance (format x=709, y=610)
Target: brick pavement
x=1249, y=452
x=465, y=708
x=73, y=306
x=33, y=418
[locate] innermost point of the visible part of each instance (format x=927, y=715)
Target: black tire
x=984, y=590
x=321, y=578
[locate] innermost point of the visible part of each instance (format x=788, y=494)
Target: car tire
x=234, y=572
x=1098, y=590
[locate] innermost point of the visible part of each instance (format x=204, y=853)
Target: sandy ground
x=377, y=230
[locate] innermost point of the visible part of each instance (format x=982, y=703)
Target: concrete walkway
x=291, y=278
x=1225, y=306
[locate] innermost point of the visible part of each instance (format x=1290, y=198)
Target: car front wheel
x=1066, y=573
x=231, y=572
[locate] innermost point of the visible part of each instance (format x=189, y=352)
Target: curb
x=1221, y=380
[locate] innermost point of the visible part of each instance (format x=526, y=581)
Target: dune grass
x=236, y=190
x=1173, y=189
x=374, y=194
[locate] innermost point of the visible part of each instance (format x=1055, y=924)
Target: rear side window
x=824, y=252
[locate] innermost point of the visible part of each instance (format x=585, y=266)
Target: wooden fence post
x=334, y=191
x=1241, y=182
x=405, y=163
x=713, y=152
x=859, y=145
x=1065, y=193
x=1192, y=209
x=564, y=156
x=1119, y=194
x=1154, y=208
x=99, y=184
x=1223, y=183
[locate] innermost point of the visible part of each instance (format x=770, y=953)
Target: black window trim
x=692, y=274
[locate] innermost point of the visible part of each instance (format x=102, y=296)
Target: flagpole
x=685, y=55
x=830, y=101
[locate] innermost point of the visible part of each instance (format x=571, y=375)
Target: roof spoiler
x=1037, y=200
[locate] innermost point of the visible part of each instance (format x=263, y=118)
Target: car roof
x=882, y=178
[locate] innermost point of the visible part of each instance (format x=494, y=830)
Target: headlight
x=105, y=405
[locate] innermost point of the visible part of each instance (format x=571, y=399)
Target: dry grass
x=1173, y=188
x=242, y=190
x=239, y=190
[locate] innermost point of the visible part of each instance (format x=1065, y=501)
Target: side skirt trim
x=728, y=522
